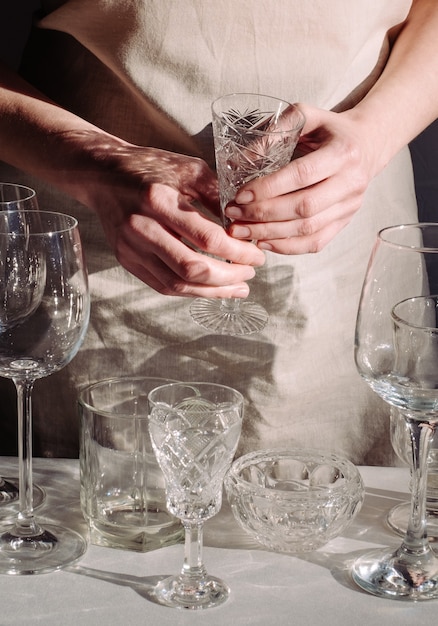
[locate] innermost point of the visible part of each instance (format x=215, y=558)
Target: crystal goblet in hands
x=195, y=429
x=396, y=352
x=254, y=135
x=43, y=320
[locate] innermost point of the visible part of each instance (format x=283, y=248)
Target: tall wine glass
x=15, y=197
x=396, y=353
x=43, y=319
x=254, y=135
x=195, y=428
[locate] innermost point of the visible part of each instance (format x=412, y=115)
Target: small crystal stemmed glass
x=43, y=320
x=14, y=197
x=396, y=352
x=194, y=428
x=254, y=135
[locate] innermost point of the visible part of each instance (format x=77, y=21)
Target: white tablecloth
x=110, y=586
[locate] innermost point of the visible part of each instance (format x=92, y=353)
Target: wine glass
x=43, y=320
x=15, y=197
x=398, y=516
x=396, y=353
x=194, y=428
x=254, y=135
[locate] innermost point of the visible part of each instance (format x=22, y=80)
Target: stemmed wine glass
x=194, y=428
x=254, y=135
x=43, y=319
x=15, y=197
x=396, y=352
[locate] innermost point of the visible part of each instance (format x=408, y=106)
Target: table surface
x=110, y=586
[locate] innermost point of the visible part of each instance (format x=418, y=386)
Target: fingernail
x=241, y=232
x=233, y=212
x=263, y=245
x=243, y=197
x=241, y=292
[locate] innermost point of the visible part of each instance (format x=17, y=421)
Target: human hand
x=300, y=208
x=145, y=200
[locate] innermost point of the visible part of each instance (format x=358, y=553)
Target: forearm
x=47, y=141
x=404, y=100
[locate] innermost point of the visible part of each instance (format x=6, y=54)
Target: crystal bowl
x=294, y=500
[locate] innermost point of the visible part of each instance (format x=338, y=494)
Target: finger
x=181, y=217
x=305, y=244
x=190, y=266
x=302, y=212
x=163, y=280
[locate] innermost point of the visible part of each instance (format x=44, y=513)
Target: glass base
x=179, y=593
x=9, y=497
x=54, y=548
x=228, y=317
x=395, y=576
x=398, y=518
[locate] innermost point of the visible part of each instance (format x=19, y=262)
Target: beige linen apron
x=148, y=72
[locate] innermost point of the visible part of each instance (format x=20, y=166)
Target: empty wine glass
x=396, y=352
x=15, y=197
x=194, y=428
x=254, y=135
x=43, y=320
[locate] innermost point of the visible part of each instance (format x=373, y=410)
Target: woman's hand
x=302, y=207
x=145, y=199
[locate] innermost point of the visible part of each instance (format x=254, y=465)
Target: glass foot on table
x=181, y=593
x=53, y=548
x=228, y=317
x=394, y=576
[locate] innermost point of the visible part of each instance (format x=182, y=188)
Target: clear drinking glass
x=254, y=135
x=43, y=320
x=396, y=351
x=14, y=197
x=194, y=428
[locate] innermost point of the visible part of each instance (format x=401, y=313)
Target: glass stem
x=416, y=541
x=193, y=567
x=25, y=523
x=230, y=305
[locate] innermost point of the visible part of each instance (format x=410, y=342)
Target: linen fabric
x=148, y=71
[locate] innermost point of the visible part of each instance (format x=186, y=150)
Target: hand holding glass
x=254, y=135
x=194, y=428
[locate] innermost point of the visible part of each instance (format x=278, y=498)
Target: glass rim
x=403, y=322
x=382, y=236
x=32, y=193
x=194, y=384
x=71, y=225
x=105, y=382
x=256, y=132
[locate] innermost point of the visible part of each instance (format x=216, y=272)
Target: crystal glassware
x=396, y=352
x=195, y=429
x=15, y=197
x=43, y=320
x=254, y=135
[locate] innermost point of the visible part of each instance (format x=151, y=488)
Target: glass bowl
x=294, y=500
